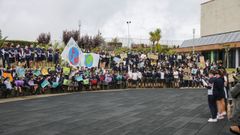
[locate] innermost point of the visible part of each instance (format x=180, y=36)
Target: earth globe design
x=88, y=60
x=73, y=56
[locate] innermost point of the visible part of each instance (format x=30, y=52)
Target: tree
x=2, y=41
x=44, y=38
x=97, y=41
x=88, y=43
x=115, y=40
x=155, y=36
x=67, y=35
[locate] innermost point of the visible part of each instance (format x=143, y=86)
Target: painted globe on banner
x=88, y=60
x=73, y=56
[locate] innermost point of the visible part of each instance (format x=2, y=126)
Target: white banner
x=90, y=60
x=72, y=54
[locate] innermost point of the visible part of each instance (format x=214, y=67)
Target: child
x=19, y=85
x=8, y=86
x=212, y=100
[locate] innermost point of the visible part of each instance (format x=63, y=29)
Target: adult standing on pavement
x=235, y=120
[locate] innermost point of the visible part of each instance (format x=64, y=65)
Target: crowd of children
x=11, y=54
x=134, y=70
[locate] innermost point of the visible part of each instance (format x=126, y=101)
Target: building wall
x=220, y=16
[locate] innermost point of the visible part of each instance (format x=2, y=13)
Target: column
x=212, y=56
x=237, y=57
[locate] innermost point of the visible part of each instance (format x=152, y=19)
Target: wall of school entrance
x=220, y=16
x=216, y=55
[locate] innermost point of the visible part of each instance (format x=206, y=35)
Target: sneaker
x=212, y=120
x=220, y=117
x=224, y=113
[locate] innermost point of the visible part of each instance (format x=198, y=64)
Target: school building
x=220, y=33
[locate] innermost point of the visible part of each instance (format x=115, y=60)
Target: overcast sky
x=25, y=19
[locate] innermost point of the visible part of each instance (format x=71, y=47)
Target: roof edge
x=220, y=33
x=207, y=2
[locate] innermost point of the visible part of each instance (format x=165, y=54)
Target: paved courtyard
x=133, y=112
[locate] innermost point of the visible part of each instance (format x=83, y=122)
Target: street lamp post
x=193, y=41
x=128, y=23
x=79, y=27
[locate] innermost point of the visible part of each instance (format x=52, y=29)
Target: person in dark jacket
x=219, y=89
x=212, y=100
x=56, y=57
x=28, y=56
x=50, y=56
x=6, y=52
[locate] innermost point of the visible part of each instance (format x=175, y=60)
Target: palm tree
x=2, y=41
x=155, y=37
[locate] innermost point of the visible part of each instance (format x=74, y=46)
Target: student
x=2, y=56
x=32, y=49
x=11, y=54
x=16, y=53
x=134, y=79
x=27, y=56
x=94, y=81
x=140, y=76
x=8, y=86
x=130, y=81
x=219, y=88
x=154, y=78
x=50, y=56
x=149, y=78
x=21, y=55
x=6, y=57
x=38, y=54
x=19, y=85
x=212, y=101
x=162, y=78
x=56, y=57
x=33, y=86
x=168, y=78
x=43, y=56
x=176, y=78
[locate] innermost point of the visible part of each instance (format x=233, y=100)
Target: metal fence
x=124, y=41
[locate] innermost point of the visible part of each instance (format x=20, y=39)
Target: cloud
x=27, y=19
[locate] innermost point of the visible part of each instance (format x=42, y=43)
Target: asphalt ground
x=121, y=112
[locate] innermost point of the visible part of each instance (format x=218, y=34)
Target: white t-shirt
x=162, y=75
x=8, y=84
x=179, y=57
x=175, y=74
x=135, y=76
x=139, y=75
x=143, y=56
x=130, y=75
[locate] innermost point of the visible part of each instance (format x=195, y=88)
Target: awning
x=214, y=39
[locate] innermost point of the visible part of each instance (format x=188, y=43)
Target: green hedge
x=23, y=43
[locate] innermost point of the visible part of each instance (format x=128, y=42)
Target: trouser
x=80, y=86
x=5, y=61
x=212, y=103
x=28, y=61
